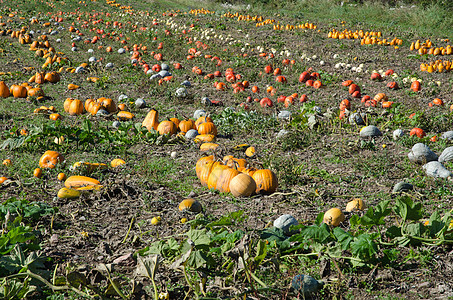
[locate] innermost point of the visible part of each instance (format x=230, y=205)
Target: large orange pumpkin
x=266, y=181
x=50, y=159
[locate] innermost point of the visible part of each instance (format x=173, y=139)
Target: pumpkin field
x=206, y=150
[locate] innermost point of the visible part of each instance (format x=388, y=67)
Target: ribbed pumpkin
x=151, y=120
x=249, y=171
x=266, y=181
x=186, y=125
x=207, y=128
x=201, y=162
x=215, y=174
x=108, y=103
x=39, y=78
x=52, y=77
x=167, y=127
x=242, y=185
x=76, y=108
x=4, y=90
x=50, y=159
x=35, y=92
x=223, y=183
x=176, y=121
x=67, y=104
x=18, y=91
x=201, y=120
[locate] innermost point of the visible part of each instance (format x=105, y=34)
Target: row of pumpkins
x=20, y=91
x=232, y=175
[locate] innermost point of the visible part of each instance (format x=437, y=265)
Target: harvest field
x=198, y=150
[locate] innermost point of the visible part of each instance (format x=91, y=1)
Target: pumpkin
x=37, y=173
x=52, y=77
x=284, y=222
x=93, y=107
x=65, y=193
x=7, y=162
x=18, y=91
x=208, y=146
x=204, y=138
x=347, y=83
x=50, y=159
x=35, y=92
x=355, y=204
x=39, y=78
x=76, y=108
x=117, y=162
x=61, y=176
x=4, y=90
x=242, y=185
x=223, y=183
x=333, y=217
x=250, y=151
x=201, y=163
x=67, y=104
x=176, y=121
x=108, y=103
x=202, y=120
x=304, y=76
x=353, y=88
x=186, y=125
x=380, y=97
x=72, y=86
x=418, y=132
x=167, y=127
x=82, y=183
x=415, y=86
x=248, y=171
x=3, y=179
x=215, y=174
x=151, y=120
x=207, y=128
x=345, y=104
x=190, y=205
x=266, y=181
x=125, y=115
x=55, y=116
x=392, y=85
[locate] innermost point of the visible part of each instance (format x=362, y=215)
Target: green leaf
x=200, y=238
x=376, y=215
x=435, y=224
x=364, y=247
x=345, y=238
x=407, y=209
x=415, y=229
x=393, y=232
x=319, y=234
x=197, y=259
x=261, y=252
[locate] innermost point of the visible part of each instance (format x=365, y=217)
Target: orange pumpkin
x=76, y=108
x=151, y=120
x=186, y=125
x=223, y=183
x=215, y=174
x=266, y=181
x=18, y=91
x=207, y=128
x=167, y=127
x=50, y=159
x=4, y=90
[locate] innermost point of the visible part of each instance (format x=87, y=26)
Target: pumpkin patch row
x=233, y=175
